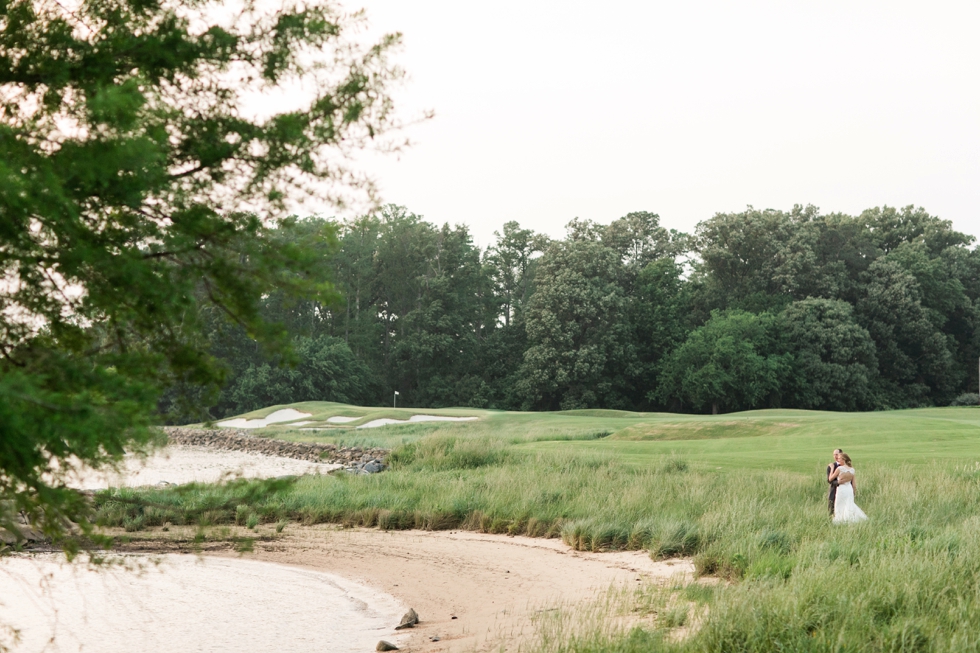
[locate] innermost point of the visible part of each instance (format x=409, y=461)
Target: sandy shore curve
x=472, y=591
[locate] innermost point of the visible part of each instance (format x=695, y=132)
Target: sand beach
x=339, y=589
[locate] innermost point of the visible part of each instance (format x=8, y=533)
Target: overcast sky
x=550, y=110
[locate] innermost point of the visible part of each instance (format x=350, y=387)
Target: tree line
x=756, y=309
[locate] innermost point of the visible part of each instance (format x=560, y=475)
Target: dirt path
x=493, y=584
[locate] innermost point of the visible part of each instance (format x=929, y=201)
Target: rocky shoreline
x=354, y=459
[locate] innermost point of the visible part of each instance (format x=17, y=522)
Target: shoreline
x=164, y=602
x=472, y=591
x=229, y=439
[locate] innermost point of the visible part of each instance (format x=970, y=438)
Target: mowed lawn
x=790, y=440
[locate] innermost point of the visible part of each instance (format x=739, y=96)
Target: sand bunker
x=284, y=415
x=414, y=418
x=178, y=464
x=191, y=604
x=289, y=415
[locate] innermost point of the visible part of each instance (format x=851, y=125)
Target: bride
x=845, y=510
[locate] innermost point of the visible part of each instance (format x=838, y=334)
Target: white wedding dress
x=845, y=510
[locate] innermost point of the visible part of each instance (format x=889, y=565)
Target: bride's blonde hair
x=847, y=459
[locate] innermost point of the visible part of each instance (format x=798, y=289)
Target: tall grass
x=906, y=580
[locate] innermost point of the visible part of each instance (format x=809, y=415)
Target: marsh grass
x=906, y=580
x=619, y=619
x=387, y=437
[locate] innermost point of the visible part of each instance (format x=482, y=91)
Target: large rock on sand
x=385, y=646
x=409, y=620
x=20, y=531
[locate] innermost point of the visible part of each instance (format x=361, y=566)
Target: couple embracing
x=840, y=475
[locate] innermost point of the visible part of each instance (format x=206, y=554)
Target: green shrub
x=966, y=399
x=132, y=524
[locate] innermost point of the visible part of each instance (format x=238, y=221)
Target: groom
x=833, y=483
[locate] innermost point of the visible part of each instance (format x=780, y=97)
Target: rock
x=373, y=467
x=409, y=620
x=238, y=440
x=21, y=532
x=385, y=646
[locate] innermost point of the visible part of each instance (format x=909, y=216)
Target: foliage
x=733, y=362
x=915, y=363
x=862, y=312
x=660, y=316
x=834, y=364
x=326, y=371
x=966, y=399
x=579, y=352
x=135, y=189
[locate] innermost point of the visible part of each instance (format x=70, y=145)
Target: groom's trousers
x=832, y=497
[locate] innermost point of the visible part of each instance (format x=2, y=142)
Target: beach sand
x=179, y=602
x=495, y=585
x=177, y=464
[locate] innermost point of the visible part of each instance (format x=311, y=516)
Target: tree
x=639, y=239
x=914, y=362
x=834, y=362
x=579, y=350
x=660, y=318
x=734, y=362
x=355, y=271
x=890, y=227
x=135, y=186
x=511, y=261
x=759, y=260
x=326, y=371
x=436, y=348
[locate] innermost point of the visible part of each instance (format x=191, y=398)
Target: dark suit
x=832, y=497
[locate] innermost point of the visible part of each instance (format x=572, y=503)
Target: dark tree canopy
x=760, y=309
x=139, y=190
x=835, y=361
x=579, y=352
x=732, y=362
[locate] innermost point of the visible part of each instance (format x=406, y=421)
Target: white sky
x=550, y=110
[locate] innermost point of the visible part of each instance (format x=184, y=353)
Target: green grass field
x=743, y=494
x=792, y=440
x=787, y=440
